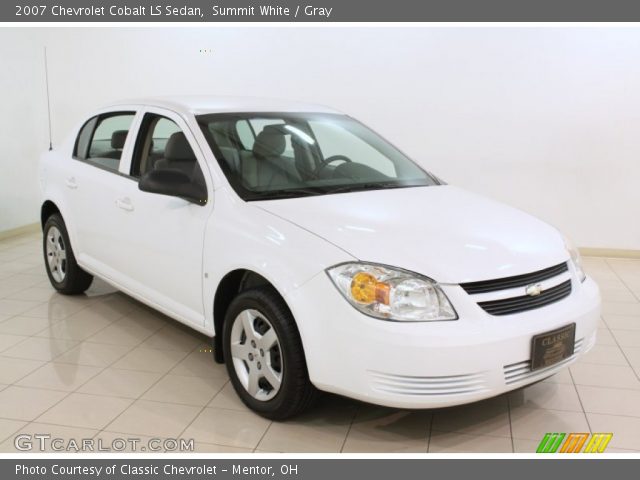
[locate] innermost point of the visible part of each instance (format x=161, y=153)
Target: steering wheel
x=327, y=161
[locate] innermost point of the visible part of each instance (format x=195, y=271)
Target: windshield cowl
x=296, y=193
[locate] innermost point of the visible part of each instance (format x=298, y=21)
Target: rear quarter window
x=81, y=147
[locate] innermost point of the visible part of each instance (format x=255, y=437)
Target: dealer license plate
x=552, y=347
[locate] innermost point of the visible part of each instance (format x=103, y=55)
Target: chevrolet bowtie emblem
x=533, y=290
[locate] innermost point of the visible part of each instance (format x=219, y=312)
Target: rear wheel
x=64, y=273
x=264, y=355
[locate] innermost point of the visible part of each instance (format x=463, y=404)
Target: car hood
x=443, y=232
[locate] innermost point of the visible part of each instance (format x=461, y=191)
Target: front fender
x=241, y=236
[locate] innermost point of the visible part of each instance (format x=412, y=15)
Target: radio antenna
x=46, y=79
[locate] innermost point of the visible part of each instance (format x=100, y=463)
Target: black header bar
x=214, y=11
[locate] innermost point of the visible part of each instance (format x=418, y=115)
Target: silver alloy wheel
x=256, y=355
x=56, y=254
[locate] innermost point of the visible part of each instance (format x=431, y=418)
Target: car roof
x=203, y=104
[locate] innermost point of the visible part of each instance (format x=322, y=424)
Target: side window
x=109, y=138
x=102, y=138
x=161, y=144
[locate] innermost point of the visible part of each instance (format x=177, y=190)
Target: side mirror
x=174, y=183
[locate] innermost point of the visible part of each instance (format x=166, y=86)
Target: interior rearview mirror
x=174, y=183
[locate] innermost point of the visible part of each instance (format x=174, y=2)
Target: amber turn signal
x=366, y=289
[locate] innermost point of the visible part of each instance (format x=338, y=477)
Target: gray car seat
x=261, y=167
x=179, y=155
x=118, y=138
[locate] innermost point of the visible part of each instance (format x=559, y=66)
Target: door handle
x=125, y=204
x=71, y=183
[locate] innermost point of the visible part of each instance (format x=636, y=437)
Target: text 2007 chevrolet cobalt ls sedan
x=316, y=254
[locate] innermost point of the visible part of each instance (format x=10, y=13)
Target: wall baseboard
x=609, y=252
x=14, y=232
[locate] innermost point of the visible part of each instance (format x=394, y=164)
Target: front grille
x=513, y=282
x=508, y=306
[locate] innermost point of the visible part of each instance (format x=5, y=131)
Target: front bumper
x=431, y=364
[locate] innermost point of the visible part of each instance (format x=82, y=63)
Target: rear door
x=92, y=186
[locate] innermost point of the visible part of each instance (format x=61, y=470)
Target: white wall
x=546, y=119
x=23, y=126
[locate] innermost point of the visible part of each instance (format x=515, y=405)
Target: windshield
x=283, y=155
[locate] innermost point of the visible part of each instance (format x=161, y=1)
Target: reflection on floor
x=105, y=366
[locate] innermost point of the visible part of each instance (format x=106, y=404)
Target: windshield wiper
x=307, y=192
x=285, y=193
x=370, y=186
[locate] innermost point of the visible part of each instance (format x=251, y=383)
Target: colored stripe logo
x=574, y=443
x=598, y=442
x=550, y=442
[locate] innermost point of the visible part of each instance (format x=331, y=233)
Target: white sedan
x=314, y=253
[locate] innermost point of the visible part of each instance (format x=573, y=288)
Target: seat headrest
x=270, y=142
x=118, y=138
x=178, y=148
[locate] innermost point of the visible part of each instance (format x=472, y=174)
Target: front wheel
x=64, y=273
x=264, y=355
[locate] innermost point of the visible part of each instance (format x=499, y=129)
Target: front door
x=165, y=235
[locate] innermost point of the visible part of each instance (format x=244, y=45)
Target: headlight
x=576, y=259
x=391, y=294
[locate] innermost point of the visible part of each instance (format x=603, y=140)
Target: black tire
x=296, y=392
x=75, y=280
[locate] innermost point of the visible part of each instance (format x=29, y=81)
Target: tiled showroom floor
x=103, y=365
